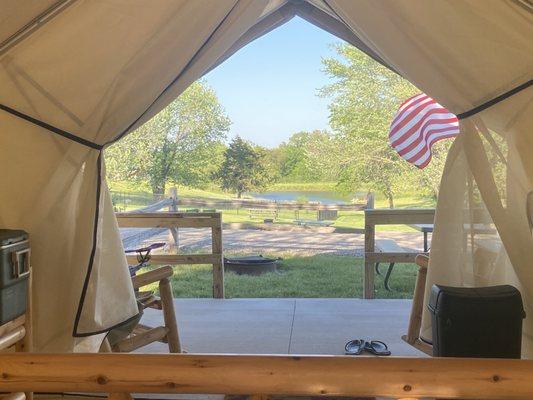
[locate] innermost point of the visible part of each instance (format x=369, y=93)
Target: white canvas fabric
x=97, y=69
x=93, y=70
x=459, y=53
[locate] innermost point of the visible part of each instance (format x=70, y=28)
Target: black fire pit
x=251, y=265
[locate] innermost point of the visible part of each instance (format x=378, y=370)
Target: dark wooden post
x=173, y=207
x=370, y=231
x=370, y=201
x=218, y=265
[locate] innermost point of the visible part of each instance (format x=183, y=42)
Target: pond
x=325, y=197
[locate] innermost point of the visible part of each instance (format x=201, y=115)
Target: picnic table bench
x=263, y=212
x=388, y=246
x=310, y=222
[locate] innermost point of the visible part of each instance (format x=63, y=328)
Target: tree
x=365, y=97
x=306, y=157
x=428, y=179
x=243, y=168
x=180, y=143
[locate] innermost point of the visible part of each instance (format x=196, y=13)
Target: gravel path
x=301, y=242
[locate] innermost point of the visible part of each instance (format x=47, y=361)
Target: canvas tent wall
x=77, y=75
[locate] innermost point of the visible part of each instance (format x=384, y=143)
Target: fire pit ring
x=251, y=265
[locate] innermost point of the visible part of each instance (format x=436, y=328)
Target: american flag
x=418, y=124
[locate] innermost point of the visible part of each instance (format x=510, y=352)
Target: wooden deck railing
x=175, y=220
x=450, y=378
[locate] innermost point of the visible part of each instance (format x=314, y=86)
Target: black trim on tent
x=75, y=332
x=495, y=100
x=93, y=248
x=301, y=8
x=51, y=128
x=337, y=27
x=184, y=69
x=267, y=24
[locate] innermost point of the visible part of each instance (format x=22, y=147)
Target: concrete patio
x=286, y=326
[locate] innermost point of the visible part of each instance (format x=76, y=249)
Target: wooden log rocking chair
x=136, y=335
x=415, y=319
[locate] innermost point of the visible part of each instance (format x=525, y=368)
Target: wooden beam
x=155, y=275
x=141, y=339
x=400, y=257
x=119, y=396
x=417, y=307
x=451, y=378
x=13, y=396
x=370, y=247
x=10, y=338
x=177, y=259
x=399, y=216
x=419, y=345
x=169, y=316
x=173, y=221
x=218, y=264
x=167, y=220
x=11, y=325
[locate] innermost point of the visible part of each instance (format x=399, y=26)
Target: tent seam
x=495, y=100
x=51, y=128
x=185, y=69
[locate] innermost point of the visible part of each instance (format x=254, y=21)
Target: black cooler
x=14, y=273
x=483, y=322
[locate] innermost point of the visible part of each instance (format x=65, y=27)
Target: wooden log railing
x=375, y=217
x=450, y=378
x=173, y=221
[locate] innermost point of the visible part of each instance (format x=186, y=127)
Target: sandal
x=378, y=348
x=354, y=347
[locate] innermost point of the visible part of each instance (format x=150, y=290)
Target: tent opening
x=66, y=96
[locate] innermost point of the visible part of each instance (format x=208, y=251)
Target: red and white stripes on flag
x=418, y=124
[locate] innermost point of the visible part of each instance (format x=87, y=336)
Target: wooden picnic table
x=425, y=229
x=383, y=251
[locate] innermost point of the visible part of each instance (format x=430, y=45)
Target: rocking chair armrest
x=422, y=260
x=152, y=276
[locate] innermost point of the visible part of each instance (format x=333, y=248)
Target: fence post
x=368, y=288
x=218, y=266
x=370, y=232
x=370, y=200
x=173, y=191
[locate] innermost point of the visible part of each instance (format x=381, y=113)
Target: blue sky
x=269, y=88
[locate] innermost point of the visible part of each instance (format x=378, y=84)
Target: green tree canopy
x=365, y=97
x=244, y=168
x=182, y=143
x=306, y=157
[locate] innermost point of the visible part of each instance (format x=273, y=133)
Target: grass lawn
x=323, y=276
x=346, y=219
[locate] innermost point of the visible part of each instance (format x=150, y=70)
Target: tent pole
x=34, y=25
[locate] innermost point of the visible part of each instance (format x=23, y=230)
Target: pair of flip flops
x=357, y=346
